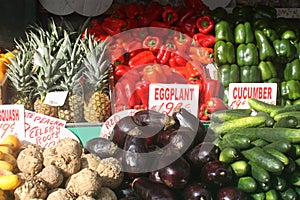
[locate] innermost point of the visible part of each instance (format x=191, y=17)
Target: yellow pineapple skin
x=98, y=108
x=45, y=109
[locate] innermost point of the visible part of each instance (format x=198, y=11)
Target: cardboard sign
x=43, y=130
x=11, y=120
x=56, y=98
x=240, y=92
x=165, y=97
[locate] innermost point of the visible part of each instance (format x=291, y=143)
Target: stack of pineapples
x=56, y=58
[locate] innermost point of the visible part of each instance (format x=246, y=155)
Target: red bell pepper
x=189, y=27
x=211, y=89
x=152, y=13
x=196, y=4
x=203, y=115
x=133, y=75
x=187, y=14
x=152, y=43
x=118, y=13
x=214, y=104
x=169, y=15
x=165, y=28
x=142, y=89
x=140, y=34
x=205, y=40
x=131, y=24
x=154, y=74
x=205, y=24
x=142, y=58
x=201, y=55
x=113, y=26
x=131, y=10
x=134, y=47
x=129, y=89
x=116, y=54
x=163, y=55
x=120, y=70
x=120, y=98
x=182, y=42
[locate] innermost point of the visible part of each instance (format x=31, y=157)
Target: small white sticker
x=57, y=98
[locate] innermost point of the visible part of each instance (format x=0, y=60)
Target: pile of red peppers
x=158, y=44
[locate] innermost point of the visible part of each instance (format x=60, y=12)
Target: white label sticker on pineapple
x=240, y=92
x=56, y=98
x=12, y=121
x=43, y=130
x=165, y=97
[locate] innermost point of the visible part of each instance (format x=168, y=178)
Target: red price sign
x=165, y=97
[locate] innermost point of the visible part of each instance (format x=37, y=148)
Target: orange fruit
x=9, y=55
x=2, y=76
x=3, y=64
x=11, y=141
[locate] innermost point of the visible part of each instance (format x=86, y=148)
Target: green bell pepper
x=250, y=74
x=290, y=89
x=247, y=54
x=260, y=24
x=265, y=12
x=271, y=34
x=297, y=45
x=292, y=70
x=244, y=12
x=219, y=14
x=229, y=74
x=224, y=53
x=265, y=49
x=289, y=35
x=267, y=70
x=243, y=33
x=223, y=31
x=285, y=50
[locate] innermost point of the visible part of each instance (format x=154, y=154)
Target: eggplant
x=183, y=118
x=120, y=130
x=154, y=176
x=179, y=139
x=230, y=192
x=124, y=190
x=177, y=174
x=102, y=147
x=216, y=173
x=134, y=158
x=149, y=190
x=196, y=191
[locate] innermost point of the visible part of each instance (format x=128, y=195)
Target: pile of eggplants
x=166, y=157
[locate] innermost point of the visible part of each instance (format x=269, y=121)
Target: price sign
x=240, y=92
x=12, y=120
x=43, y=130
x=165, y=97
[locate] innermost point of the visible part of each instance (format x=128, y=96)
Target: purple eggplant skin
x=102, y=147
x=230, y=192
x=197, y=190
x=135, y=147
x=216, y=173
x=154, y=176
x=202, y=153
x=177, y=174
x=184, y=118
x=124, y=190
x=149, y=190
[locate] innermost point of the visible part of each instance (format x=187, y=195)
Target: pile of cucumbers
x=262, y=148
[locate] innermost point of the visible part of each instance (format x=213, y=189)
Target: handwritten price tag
x=165, y=97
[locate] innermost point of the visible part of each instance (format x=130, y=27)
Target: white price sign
x=240, y=92
x=165, y=97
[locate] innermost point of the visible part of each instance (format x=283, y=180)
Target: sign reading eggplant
x=240, y=92
x=42, y=129
x=11, y=120
x=165, y=97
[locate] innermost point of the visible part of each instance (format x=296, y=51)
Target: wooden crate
x=4, y=93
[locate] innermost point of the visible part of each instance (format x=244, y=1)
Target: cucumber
x=281, y=145
x=247, y=184
x=290, y=108
x=240, y=168
x=259, y=142
x=232, y=125
x=295, y=114
x=261, y=106
x=264, y=186
x=269, y=120
x=295, y=151
x=249, y=132
x=286, y=122
x=272, y=195
x=235, y=141
x=258, y=196
x=290, y=168
x=228, y=155
x=279, y=183
x=295, y=178
x=297, y=161
x=277, y=154
x=263, y=159
x=259, y=173
x=275, y=134
x=226, y=115
x=289, y=194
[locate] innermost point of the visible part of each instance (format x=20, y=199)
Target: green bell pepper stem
x=223, y=31
x=247, y=54
x=229, y=74
x=250, y=74
x=270, y=34
x=243, y=33
x=224, y=53
x=265, y=49
x=284, y=49
x=292, y=70
x=289, y=35
x=267, y=70
x=290, y=89
x=265, y=12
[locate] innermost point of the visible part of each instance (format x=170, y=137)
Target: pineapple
x=72, y=110
x=49, y=67
x=19, y=72
x=95, y=84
